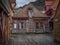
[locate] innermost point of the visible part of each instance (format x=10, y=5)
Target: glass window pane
x=30, y=13
x=15, y=26
x=19, y=25
x=22, y=25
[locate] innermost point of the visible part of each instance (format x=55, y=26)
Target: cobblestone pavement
x=32, y=39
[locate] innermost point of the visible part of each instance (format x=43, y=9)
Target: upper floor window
x=30, y=12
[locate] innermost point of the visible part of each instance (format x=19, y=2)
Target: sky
x=21, y=3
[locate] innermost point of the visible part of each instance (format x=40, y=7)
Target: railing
x=29, y=30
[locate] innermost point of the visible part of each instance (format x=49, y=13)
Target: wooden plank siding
x=30, y=26
x=57, y=24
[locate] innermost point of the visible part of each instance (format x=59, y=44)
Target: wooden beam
x=2, y=6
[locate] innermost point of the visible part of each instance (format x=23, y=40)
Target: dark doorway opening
x=51, y=25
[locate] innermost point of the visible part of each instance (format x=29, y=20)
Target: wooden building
x=57, y=24
x=30, y=19
x=51, y=6
x=55, y=6
x=6, y=10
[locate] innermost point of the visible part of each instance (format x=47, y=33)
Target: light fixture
x=43, y=11
x=56, y=20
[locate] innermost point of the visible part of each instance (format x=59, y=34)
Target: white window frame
x=30, y=13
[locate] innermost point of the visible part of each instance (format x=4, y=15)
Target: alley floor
x=32, y=39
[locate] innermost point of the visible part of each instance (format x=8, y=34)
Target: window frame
x=30, y=12
x=15, y=25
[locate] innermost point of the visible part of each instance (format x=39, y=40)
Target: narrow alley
x=29, y=22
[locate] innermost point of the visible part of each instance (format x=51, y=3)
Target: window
x=22, y=25
x=37, y=25
x=15, y=26
x=19, y=25
x=30, y=12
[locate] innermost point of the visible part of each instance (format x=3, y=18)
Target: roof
x=49, y=2
x=40, y=15
x=23, y=12
x=39, y=4
x=20, y=13
x=53, y=3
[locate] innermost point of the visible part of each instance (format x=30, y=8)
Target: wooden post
x=43, y=27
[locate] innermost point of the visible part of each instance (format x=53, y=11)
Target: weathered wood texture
x=57, y=24
x=32, y=39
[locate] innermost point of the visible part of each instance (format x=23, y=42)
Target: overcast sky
x=20, y=3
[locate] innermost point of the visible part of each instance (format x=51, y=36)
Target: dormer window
x=30, y=12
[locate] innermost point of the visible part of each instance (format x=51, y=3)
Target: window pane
x=30, y=13
x=22, y=25
x=37, y=25
x=19, y=25
x=15, y=26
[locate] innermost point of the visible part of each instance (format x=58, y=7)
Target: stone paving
x=32, y=39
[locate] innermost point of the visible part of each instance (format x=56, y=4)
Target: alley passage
x=32, y=39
